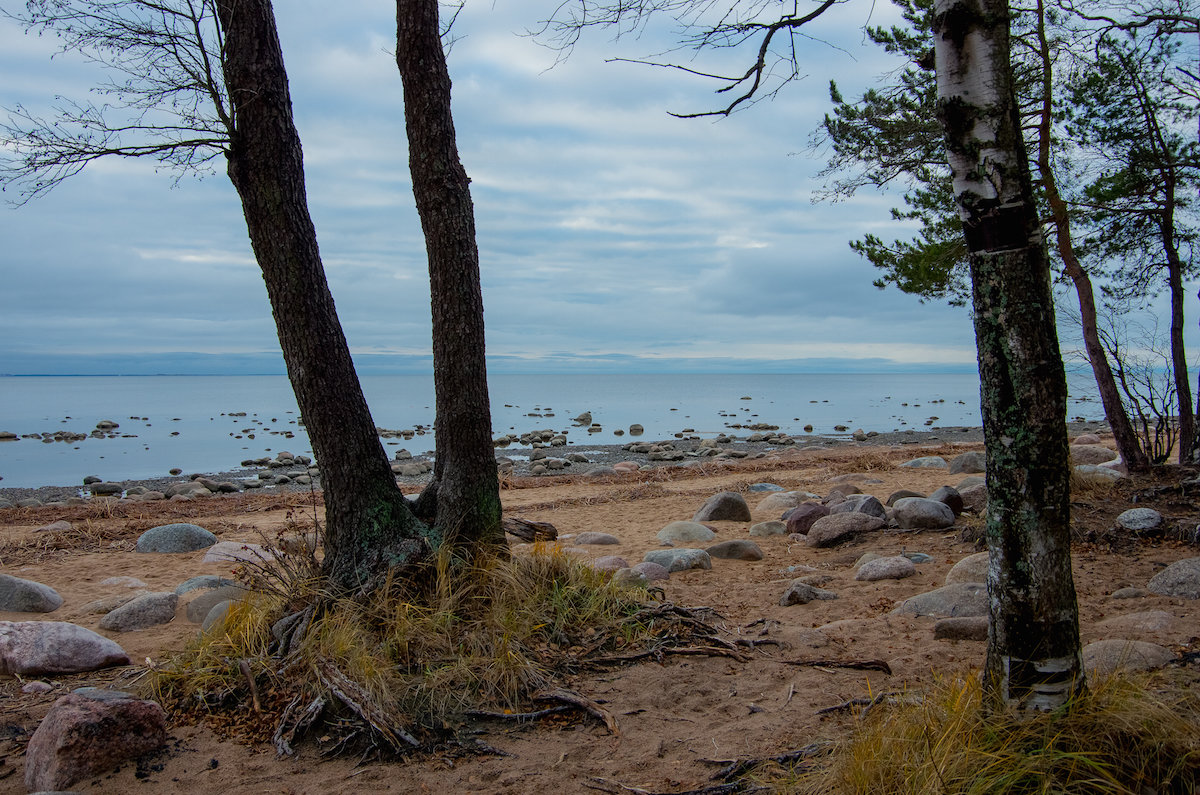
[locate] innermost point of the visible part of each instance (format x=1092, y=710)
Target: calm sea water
x=211, y=423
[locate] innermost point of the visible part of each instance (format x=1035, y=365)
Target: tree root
x=860, y=665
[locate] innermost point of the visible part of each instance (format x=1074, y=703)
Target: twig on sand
x=733, y=769
x=518, y=716
x=860, y=665
x=584, y=703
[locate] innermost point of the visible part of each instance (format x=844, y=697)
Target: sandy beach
x=677, y=717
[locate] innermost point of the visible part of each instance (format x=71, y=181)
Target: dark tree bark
x=1033, y=654
x=464, y=496
x=1124, y=435
x=369, y=528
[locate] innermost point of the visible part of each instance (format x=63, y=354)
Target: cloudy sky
x=613, y=236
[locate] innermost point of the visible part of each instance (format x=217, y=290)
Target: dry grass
x=1122, y=737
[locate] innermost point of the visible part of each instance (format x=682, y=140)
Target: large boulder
x=960, y=599
x=89, y=733
x=893, y=568
x=147, y=610
x=1091, y=454
x=803, y=516
x=26, y=596
x=1140, y=520
x=674, y=560
x=684, y=532
x=950, y=496
x=1109, y=656
x=737, y=549
x=34, y=648
x=860, y=503
x=972, y=568
x=831, y=530
x=175, y=538
x=1181, y=578
x=927, y=462
x=922, y=513
x=968, y=463
x=726, y=506
x=771, y=528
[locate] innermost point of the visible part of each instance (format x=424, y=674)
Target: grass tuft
x=1120, y=737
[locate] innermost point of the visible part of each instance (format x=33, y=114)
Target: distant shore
x=597, y=455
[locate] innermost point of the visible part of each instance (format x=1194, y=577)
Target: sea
x=207, y=423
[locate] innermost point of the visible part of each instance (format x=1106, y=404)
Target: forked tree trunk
x=1128, y=446
x=1033, y=654
x=369, y=529
x=465, y=487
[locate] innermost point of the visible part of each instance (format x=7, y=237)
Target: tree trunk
x=1179, y=363
x=368, y=526
x=1124, y=435
x=465, y=484
x=1033, y=653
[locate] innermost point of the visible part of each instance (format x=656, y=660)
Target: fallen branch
x=518, y=716
x=284, y=737
x=584, y=703
x=860, y=665
x=361, y=704
x=733, y=769
x=529, y=530
x=659, y=651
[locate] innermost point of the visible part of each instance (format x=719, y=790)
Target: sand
x=676, y=717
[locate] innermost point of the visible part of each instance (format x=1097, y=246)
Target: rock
x=974, y=498
x=147, y=610
x=26, y=596
x=216, y=615
x=1140, y=519
x=841, y=492
x=866, y=557
x=894, y=568
x=927, y=462
x=653, y=572
x=922, y=513
x=970, y=463
x=107, y=604
x=54, y=527
x=1091, y=454
x=860, y=503
x=1131, y=625
x=609, y=563
x=901, y=494
x=1086, y=438
x=1130, y=593
x=831, y=530
x=772, y=528
x=804, y=515
x=198, y=608
x=104, y=489
x=237, y=552
x=777, y=503
x=602, y=471
x=1181, y=578
x=203, y=581
x=959, y=599
x=950, y=496
x=972, y=568
x=630, y=578
x=683, y=559
x=596, y=539
x=1109, y=656
x=54, y=647
x=726, y=506
x=175, y=538
x=37, y=686
x=737, y=549
x=961, y=628
x=800, y=593
x=677, y=532
x=1090, y=474
x=757, y=487
x=83, y=736
x=124, y=582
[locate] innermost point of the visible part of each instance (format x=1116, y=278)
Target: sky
x=613, y=236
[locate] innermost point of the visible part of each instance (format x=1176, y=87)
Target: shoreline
x=599, y=455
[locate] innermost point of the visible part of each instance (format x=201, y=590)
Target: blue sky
x=613, y=236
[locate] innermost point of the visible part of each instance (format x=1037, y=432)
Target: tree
x=202, y=79
x=892, y=134
x=464, y=495
x=1033, y=652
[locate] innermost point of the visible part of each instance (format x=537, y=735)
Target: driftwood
x=734, y=769
x=565, y=696
x=860, y=665
x=529, y=530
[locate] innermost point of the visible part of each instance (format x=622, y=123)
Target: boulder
x=1109, y=656
x=893, y=568
x=1091, y=454
x=737, y=549
x=175, y=538
x=674, y=560
x=726, y=506
x=969, y=463
x=804, y=515
x=961, y=628
x=974, y=498
x=86, y=734
x=901, y=494
x=772, y=528
x=1091, y=474
x=205, y=581
x=198, y=608
x=831, y=530
x=860, y=503
x=1140, y=519
x=630, y=578
x=237, y=552
x=26, y=596
x=775, y=504
x=147, y=610
x=972, y=568
x=960, y=599
x=54, y=647
x=927, y=462
x=610, y=563
x=653, y=572
x=922, y=513
x=683, y=532
x=1181, y=578
x=950, y=496
x=596, y=539
x=800, y=593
